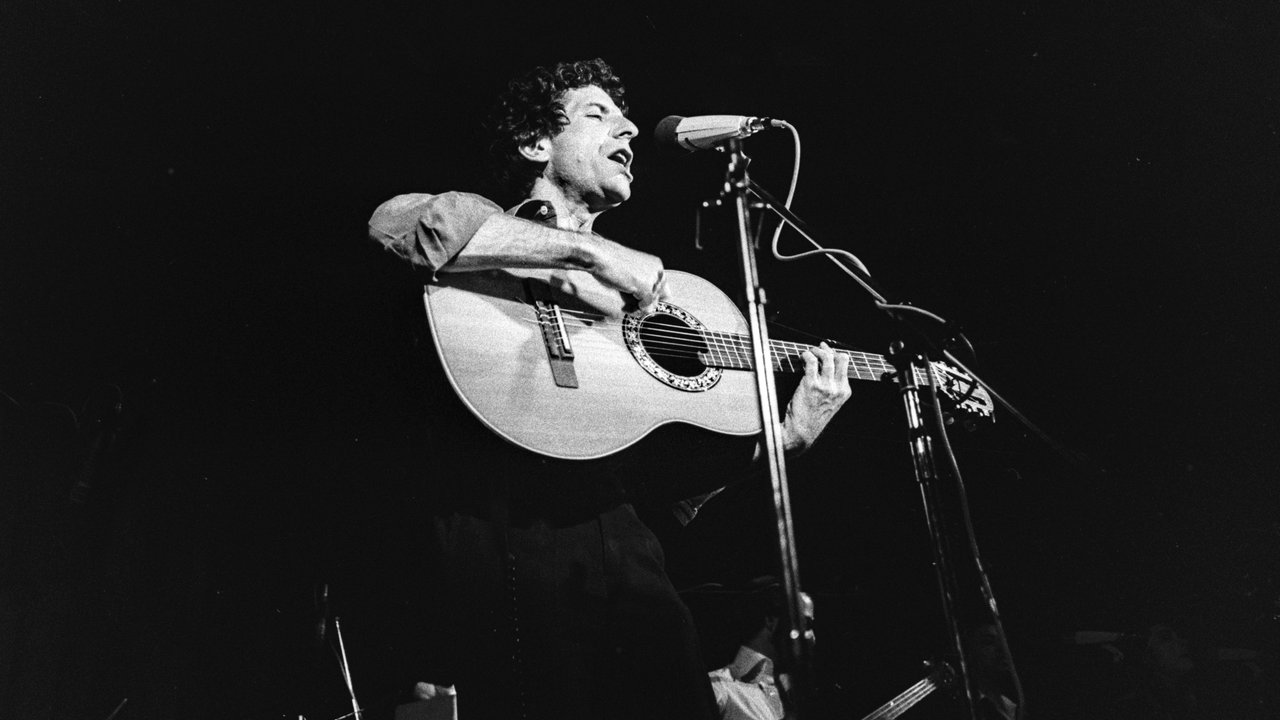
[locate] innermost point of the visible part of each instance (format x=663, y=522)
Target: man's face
x=590, y=159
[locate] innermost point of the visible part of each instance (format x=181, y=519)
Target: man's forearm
x=507, y=242
x=504, y=241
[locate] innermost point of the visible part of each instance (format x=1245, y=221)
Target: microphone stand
x=926, y=470
x=909, y=365
x=737, y=185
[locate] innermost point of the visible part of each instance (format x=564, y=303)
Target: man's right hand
x=638, y=275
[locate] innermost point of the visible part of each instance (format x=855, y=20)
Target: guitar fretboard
x=908, y=698
x=731, y=350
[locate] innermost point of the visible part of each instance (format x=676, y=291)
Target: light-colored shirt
x=429, y=230
x=745, y=688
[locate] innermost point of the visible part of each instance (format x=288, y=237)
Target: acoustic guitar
x=552, y=360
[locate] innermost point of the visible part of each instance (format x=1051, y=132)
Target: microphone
x=704, y=132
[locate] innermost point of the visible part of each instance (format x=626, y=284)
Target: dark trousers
x=567, y=622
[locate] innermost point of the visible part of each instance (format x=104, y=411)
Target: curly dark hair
x=533, y=107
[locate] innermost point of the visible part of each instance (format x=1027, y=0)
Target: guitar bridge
x=555, y=336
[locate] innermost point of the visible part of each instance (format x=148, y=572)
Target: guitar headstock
x=964, y=398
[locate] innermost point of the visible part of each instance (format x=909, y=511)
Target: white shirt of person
x=745, y=688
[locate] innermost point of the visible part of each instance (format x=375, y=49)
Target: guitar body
x=549, y=360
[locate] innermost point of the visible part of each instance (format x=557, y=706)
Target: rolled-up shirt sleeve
x=429, y=230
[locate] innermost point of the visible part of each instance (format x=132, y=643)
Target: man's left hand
x=821, y=393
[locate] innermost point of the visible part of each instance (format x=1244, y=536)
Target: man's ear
x=538, y=151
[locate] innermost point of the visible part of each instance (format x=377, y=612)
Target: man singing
x=556, y=603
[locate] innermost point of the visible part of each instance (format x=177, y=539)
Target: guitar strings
x=676, y=345
x=688, y=342
x=906, y=701
x=692, y=343
x=735, y=344
x=697, y=334
x=727, y=340
x=729, y=343
x=691, y=332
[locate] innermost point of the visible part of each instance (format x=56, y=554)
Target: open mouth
x=622, y=157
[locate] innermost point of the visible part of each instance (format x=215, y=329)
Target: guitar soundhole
x=666, y=343
x=673, y=345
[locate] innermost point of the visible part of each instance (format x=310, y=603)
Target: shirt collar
x=539, y=211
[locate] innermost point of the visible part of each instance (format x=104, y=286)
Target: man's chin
x=614, y=196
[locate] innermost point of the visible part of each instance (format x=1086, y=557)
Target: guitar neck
x=731, y=350
x=908, y=698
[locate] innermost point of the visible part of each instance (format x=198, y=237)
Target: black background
x=1088, y=188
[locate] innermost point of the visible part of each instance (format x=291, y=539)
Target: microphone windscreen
x=665, y=133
